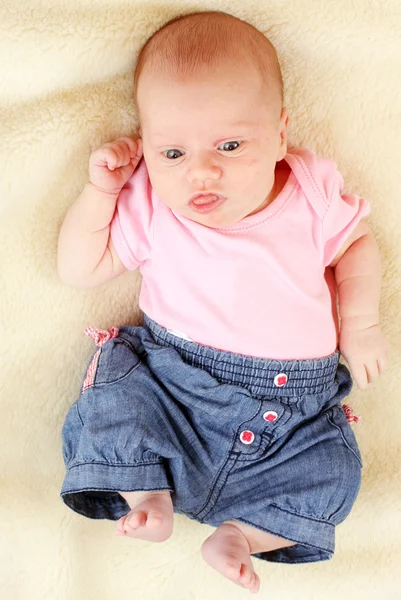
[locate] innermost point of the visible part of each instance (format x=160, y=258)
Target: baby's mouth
x=204, y=203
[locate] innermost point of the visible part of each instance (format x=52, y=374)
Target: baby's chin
x=225, y=215
x=214, y=220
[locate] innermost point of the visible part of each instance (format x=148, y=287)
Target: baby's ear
x=283, y=134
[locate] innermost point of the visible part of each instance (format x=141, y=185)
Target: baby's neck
x=280, y=179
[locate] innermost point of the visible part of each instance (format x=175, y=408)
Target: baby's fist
x=111, y=165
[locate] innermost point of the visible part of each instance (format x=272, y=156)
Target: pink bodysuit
x=259, y=287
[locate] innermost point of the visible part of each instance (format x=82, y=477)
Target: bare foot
x=150, y=517
x=227, y=550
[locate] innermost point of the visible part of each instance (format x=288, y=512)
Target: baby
x=225, y=405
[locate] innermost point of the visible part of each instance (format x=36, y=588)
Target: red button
x=280, y=379
x=270, y=416
x=247, y=437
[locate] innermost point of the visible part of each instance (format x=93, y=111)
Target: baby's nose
x=203, y=168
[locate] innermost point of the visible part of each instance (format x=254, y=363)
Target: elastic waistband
x=262, y=377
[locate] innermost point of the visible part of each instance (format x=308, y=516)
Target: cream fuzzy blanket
x=65, y=84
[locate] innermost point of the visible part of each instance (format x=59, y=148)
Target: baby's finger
x=382, y=364
x=359, y=375
x=115, y=155
x=372, y=371
x=129, y=142
x=123, y=153
x=112, y=157
x=138, y=149
x=130, y=149
x=105, y=156
x=135, y=150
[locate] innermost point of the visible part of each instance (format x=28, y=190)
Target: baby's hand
x=111, y=165
x=366, y=352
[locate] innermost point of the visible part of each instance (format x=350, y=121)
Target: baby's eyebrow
x=232, y=134
x=231, y=129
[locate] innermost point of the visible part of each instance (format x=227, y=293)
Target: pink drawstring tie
x=348, y=413
x=100, y=337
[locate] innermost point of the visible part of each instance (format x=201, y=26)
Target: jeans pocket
x=111, y=363
x=337, y=419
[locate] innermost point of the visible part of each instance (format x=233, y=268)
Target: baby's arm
x=357, y=269
x=86, y=256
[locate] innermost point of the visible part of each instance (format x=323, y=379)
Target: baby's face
x=218, y=137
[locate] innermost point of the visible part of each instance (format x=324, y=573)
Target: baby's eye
x=173, y=153
x=229, y=146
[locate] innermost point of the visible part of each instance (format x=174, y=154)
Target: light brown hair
x=187, y=44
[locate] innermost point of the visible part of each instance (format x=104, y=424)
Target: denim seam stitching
x=79, y=414
x=106, y=383
x=271, y=434
x=106, y=500
x=230, y=453
x=302, y=515
x=250, y=454
x=234, y=458
x=331, y=422
x=241, y=519
x=130, y=347
x=227, y=458
x=107, y=464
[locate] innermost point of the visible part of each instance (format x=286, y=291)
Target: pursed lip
x=200, y=195
x=206, y=202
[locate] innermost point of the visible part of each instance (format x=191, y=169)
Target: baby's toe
x=248, y=579
x=155, y=519
x=134, y=520
x=120, y=526
x=231, y=569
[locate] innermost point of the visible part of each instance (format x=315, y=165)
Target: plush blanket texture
x=66, y=84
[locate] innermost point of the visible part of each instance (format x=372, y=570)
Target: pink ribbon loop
x=351, y=418
x=101, y=336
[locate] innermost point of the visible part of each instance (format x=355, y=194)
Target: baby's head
x=209, y=94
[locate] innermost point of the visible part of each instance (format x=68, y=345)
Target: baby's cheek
x=250, y=171
x=250, y=168
x=167, y=190
x=156, y=176
x=251, y=162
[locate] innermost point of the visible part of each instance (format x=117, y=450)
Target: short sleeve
x=343, y=214
x=131, y=226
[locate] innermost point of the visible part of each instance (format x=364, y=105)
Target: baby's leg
x=228, y=551
x=150, y=517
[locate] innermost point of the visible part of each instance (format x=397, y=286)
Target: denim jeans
x=261, y=441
